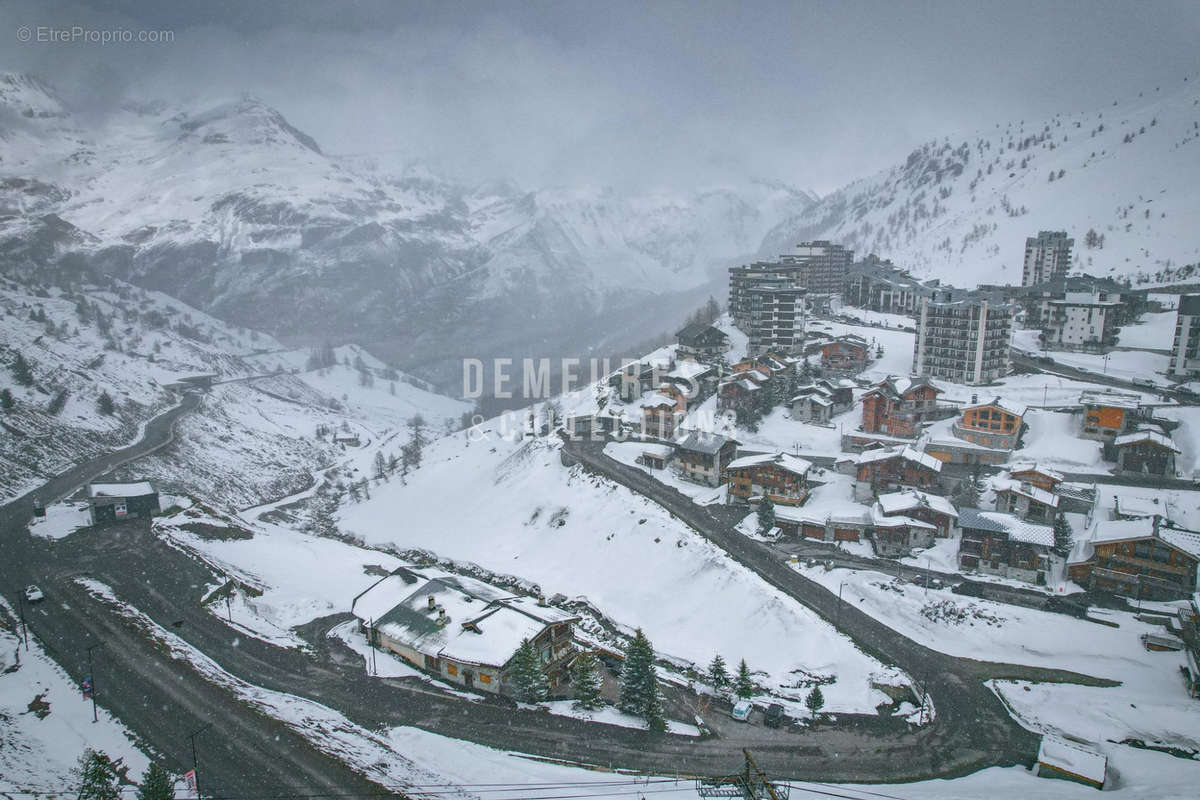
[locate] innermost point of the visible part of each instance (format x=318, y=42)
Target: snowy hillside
x=233, y=210
x=959, y=208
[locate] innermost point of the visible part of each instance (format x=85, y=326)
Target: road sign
x=86, y=686
x=189, y=780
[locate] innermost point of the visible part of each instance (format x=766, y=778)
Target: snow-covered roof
x=657, y=400
x=1016, y=409
x=686, y=370
x=1018, y=530
x=134, y=489
x=1073, y=758
x=1138, y=506
x=850, y=513
x=1111, y=400
x=1081, y=552
x=701, y=441
x=1025, y=490
x=1187, y=541
x=483, y=624
x=906, y=499
x=1160, y=439
x=1115, y=530
x=659, y=450
x=785, y=461
x=908, y=453
x=1031, y=466
x=883, y=520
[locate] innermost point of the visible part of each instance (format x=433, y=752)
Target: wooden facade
x=899, y=411
x=996, y=425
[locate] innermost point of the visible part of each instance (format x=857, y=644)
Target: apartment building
x=1047, y=257
x=881, y=286
x=965, y=341
x=1082, y=321
x=1185, y=351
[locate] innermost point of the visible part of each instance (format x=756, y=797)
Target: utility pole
x=371, y=638
x=928, y=563
x=24, y=627
x=838, y=618
x=750, y=783
x=195, y=762
x=92, y=680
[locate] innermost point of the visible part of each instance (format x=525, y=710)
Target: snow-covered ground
x=1153, y=331
x=62, y=519
x=1053, y=440
x=45, y=724
x=581, y=536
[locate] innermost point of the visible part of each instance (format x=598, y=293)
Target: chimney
x=974, y=399
x=431, y=604
x=443, y=618
x=541, y=600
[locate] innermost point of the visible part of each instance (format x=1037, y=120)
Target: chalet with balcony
x=908, y=519
x=463, y=630
x=739, y=392
x=1107, y=415
x=1145, y=558
x=1146, y=452
x=1036, y=475
x=663, y=411
x=996, y=424
x=701, y=342
x=1030, y=503
x=843, y=526
x=899, y=406
x=846, y=354
x=997, y=543
x=702, y=457
x=779, y=476
x=636, y=378
x=886, y=470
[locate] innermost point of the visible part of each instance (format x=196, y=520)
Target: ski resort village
x=323, y=480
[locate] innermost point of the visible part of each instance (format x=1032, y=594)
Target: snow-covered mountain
x=232, y=209
x=960, y=208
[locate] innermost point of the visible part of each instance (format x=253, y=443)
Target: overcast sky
x=646, y=93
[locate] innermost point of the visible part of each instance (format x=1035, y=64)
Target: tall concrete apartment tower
x=1047, y=257
x=965, y=341
x=1185, y=353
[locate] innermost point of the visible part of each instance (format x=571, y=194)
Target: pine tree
x=417, y=439
x=743, y=684
x=321, y=510
x=639, y=683
x=380, y=466
x=718, y=675
x=1063, y=538
x=6, y=399
x=766, y=516
x=585, y=678
x=529, y=681
x=105, y=404
x=22, y=373
x=815, y=701
x=652, y=712
x=97, y=775
x=58, y=403
x=969, y=490
x=157, y=784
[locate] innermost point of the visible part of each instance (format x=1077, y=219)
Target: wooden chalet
x=1137, y=558
x=1106, y=415
x=779, y=476
x=846, y=354
x=1147, y=452
x=1025, y=500
x=1036, y=475
x=702, y=457
x=889, y=469
x=1003, y=544
x=899, y=406
x=701, y=342
x=996, y=424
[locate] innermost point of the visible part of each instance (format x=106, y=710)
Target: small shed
x=1066, y=759
x=112, y=502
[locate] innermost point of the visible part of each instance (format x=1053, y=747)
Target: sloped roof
x=1025, y=490
x=883, y=520
x=906, y=499
x=1160, y=439
x=133, y=489
x=701, y=441
x=699, y=332
x=906, y=452
x=1032, y=466
x=1016, y=409
x=785, y=461
x=1018, y=530
x=1076, y=759
x=1110, y=400
x=485, y=624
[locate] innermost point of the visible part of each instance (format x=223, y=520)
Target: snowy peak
x=244, y=123
x=28, y=97
x=960, y=209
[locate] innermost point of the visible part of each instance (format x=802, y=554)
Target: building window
x=485, y=678
x=451, y=669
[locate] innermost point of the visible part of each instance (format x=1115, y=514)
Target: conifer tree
x=105, y=404
x=98, y=777
x=6, y=399
x=156, y=784
x=1063, y=537
x=21, y=371
x=653, y=711
x=766, y=516
x=639, y=683
x=529, y=681
x=815, y=701
x=743, y=684
x=718, y=675
x=585, y=678
x=380, y=466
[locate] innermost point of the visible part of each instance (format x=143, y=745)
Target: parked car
x=741, y=711
x=1145, y=383
x=774, y=717
x=33, y=594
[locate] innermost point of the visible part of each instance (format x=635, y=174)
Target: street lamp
x=195, y=762
x=91, y=677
